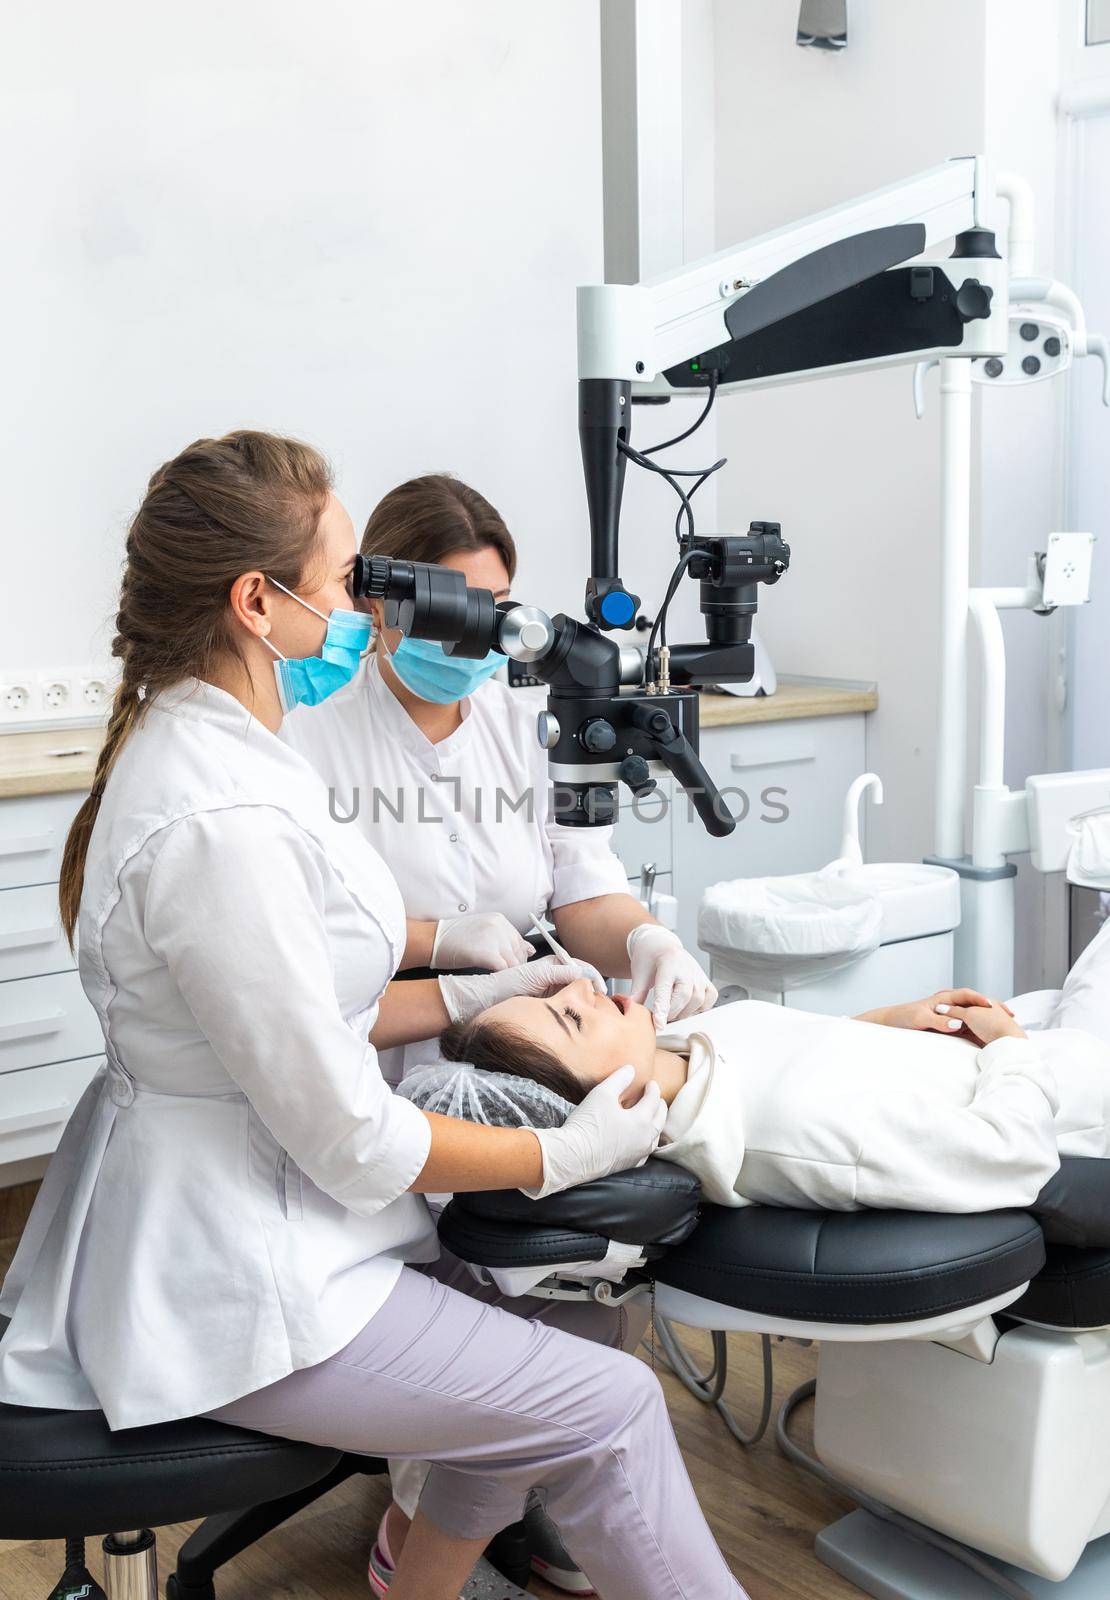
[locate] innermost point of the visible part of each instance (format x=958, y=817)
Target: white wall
x=360, y=224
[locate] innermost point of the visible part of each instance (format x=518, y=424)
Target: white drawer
x=35, y=1106
x=31, y=937
x=46, y=1019
x=32, y=836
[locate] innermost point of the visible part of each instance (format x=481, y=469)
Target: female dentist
x=230, y=1223
x=442, y=772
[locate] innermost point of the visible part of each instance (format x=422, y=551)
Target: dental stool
x=65, y=1475
x=964, y=1385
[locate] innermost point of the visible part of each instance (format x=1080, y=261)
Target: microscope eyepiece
x=427, y=601
x=371, y=576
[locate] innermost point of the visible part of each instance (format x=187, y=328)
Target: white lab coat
x=229, y=1200
x=464, y=824
x=793, y=1108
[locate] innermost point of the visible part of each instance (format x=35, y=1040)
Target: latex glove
x=600, y=1136
x=661, y=962
x=466, y=997
x=481, y=939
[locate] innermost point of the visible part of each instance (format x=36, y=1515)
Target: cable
x=659, y=626
x=694, y=426
x=641, y=458
x=673, y=474
x=917, y=1530
x=709, y=1387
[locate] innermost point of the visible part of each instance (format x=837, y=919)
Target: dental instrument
x=552, y=943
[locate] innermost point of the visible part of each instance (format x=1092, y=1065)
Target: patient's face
x=591, y=1034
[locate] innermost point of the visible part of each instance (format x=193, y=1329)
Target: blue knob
x=617, y=608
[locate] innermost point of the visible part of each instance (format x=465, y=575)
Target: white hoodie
x=793, y=1108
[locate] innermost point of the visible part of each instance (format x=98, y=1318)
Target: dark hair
x=496, y=1047
x=432, y=517
x=221, y=508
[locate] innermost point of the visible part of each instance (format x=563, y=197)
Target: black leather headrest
x=652, y=1207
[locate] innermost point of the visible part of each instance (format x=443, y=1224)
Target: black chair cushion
x=860, y=1267
x=653, y=1207
x=65, y=1473
x=1072, y=1291
x=1074, y=1206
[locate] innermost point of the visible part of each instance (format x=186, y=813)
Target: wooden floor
x=763, y=1511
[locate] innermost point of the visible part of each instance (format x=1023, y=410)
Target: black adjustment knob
x=973, y=300
x=1031, y=365
x=1052, y=346
x=993, y=367
x=635, y=772
x=600, y=806
x=1029, y=331
x=598, y=735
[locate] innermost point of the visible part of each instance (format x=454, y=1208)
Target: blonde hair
x=246, y=502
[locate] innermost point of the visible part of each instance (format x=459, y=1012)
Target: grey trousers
x=619, y=1327
x=500, y=1404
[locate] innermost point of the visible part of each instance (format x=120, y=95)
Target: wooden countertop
x=61, y=762
x=795, y=698
x=50, y=762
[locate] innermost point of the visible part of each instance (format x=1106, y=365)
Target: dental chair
x=964, y=1381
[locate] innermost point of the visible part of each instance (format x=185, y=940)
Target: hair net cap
x=454, y=1089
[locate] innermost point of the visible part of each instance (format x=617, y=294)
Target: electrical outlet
x=61, y=697
x=18, y=699
x=55, y=696
x=95, y=694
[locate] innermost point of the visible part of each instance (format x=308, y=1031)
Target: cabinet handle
x=27, y=844
x=48, y=1117
x=33, y=1027
x=738, y=761
x=25, y=938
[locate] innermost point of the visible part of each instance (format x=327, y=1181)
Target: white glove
x=481, y=939
x=660, y=962
x=600, y=1136
x=465, y=997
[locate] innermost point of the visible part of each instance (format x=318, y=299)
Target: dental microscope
x=844, y=290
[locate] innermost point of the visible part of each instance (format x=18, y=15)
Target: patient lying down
x=944, y=1104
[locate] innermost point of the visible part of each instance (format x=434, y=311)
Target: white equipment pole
x=955, y=556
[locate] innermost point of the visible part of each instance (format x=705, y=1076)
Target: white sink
x=916, y=899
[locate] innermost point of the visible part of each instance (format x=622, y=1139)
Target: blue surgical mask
x=424, y=667
x=306, y=680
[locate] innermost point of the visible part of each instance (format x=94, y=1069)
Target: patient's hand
x=986, y=1021
x=943, y=1012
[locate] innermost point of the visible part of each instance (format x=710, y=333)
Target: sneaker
x=484, y=1583
x=551, y=1560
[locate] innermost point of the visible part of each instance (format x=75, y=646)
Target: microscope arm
x=636, y=332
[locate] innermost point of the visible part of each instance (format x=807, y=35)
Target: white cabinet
x=34, y=1108
x=785, y=782
x=50, y=1038
x=32, y=837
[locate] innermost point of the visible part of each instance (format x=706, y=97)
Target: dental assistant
x=441, y=770
x=232, y=1222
